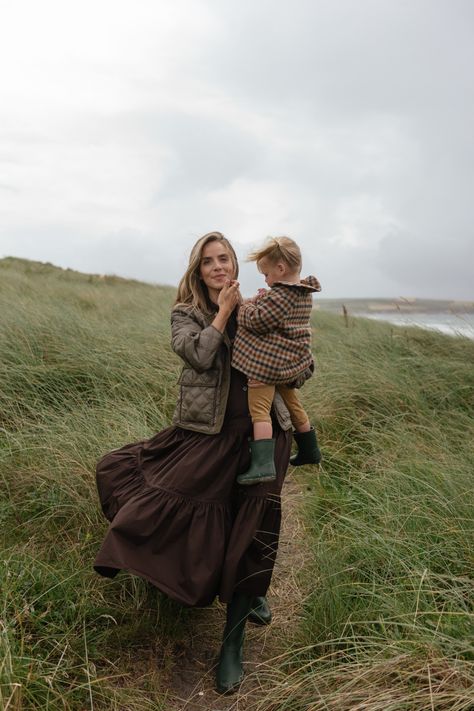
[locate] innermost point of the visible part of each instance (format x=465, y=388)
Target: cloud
x=127, y=130
x=427, y=264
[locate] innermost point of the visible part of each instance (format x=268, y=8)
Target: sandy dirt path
x=191, y=678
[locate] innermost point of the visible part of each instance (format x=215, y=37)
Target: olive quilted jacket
x=205, y=378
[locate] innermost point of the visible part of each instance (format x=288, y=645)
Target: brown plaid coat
x=273, y=341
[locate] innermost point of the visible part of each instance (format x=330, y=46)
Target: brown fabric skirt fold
x=179, y=520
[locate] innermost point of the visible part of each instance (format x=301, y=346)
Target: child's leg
x=260, y=399
x=299, y=418
x=262, y=448
x=305, y=435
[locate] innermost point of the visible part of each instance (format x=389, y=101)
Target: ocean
x=460, y=324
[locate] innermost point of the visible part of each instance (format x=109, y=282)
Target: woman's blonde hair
x=191, y=289
x=278, y=249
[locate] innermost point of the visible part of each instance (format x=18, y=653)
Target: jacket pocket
x=198, y=396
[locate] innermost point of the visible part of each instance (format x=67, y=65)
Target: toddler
x=273, y=348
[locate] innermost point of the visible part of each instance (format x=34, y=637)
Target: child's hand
x=255, y=298
x=252, y=383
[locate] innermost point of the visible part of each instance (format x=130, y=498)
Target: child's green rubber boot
x=308, y=449
x=262, y=467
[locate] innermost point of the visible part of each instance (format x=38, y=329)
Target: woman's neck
x=213, y=295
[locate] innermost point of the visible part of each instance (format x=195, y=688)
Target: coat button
x=244, y=388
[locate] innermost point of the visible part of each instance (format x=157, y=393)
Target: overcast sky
x=130, y=128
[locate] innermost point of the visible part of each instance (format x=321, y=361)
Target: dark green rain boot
x=262, y=466
x=308, y=449
x=260, y=614
x=230, y=671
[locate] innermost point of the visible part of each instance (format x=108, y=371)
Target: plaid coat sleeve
x=266, y=314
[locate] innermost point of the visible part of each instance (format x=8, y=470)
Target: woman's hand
x=229, y=297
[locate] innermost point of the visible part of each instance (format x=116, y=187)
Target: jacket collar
x=309, y=283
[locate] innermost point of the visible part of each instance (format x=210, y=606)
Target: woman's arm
x=198, y=345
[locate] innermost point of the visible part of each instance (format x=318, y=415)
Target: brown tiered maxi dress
x=178, y=518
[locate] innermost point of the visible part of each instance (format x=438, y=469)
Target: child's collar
x=310, y=283
x=287, y=283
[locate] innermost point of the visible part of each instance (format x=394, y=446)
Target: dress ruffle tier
x=179, y=520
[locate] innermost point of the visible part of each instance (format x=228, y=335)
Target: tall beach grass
x=86, y=366
x=389, y=616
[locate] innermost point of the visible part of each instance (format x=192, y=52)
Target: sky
x=129, y=128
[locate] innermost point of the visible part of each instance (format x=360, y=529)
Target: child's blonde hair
x=278, y=249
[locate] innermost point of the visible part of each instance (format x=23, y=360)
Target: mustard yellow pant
x=260, y=402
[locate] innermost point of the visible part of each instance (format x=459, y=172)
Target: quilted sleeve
x=195, y=345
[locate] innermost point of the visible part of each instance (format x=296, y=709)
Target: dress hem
x=160, y=586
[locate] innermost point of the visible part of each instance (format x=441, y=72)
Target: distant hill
x=356, y=306
x=34, y=268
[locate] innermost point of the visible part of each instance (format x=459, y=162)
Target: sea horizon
x=452, y=324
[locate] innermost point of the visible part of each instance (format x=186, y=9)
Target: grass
x=389, y=617
x=85, y=366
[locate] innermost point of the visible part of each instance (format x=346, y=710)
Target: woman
x=178, y=518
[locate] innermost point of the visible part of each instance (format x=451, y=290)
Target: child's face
x=271, y=271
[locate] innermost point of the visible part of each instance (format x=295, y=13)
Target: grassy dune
x=85, y=366
x=389, y=618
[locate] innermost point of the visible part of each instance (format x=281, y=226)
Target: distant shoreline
x=395, y=306
x=452, y=322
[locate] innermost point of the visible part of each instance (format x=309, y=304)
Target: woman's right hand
x=229, y=297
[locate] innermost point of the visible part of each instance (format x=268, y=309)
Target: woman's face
x=216, y=266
